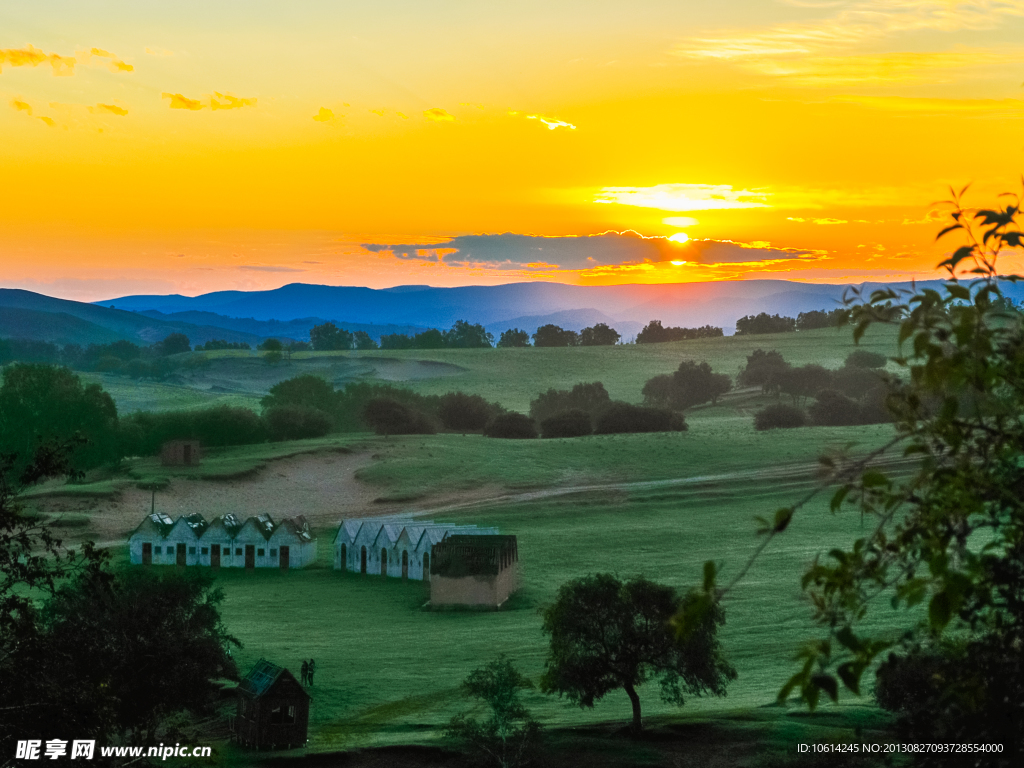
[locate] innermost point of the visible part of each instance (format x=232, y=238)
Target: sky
x=187, y=147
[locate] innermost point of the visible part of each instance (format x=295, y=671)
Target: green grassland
x=512, y=377
x=388, y=669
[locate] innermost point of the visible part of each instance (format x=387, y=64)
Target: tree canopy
x=551, y=335
x=751, y=325
x=327, y=337
x=599, y=335
x=514, y=337
x=608, y=635
x=465, y=335
x=655, y=333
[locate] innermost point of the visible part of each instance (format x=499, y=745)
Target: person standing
x=305, y=672
x=311, y=669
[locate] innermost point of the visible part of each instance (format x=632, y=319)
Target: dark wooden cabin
x=180, y=453
x=273, y=709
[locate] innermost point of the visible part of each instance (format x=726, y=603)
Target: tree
x=429, y=339
x=608, y=634
x=465, y=413
x=514, y=337
x=149, y=644
x=803, y=382
x=270, y=345
x=862, y=358
x=553, y=336
x=821, y=318
x=395, y=341
x=599, y=335
x=947, y=535
x=509, y=736
x=764, y=323
x=573, y=423
x=43, y=403
x=590, y=397
x=695, y=383
x=763, y=368
x=463, y=335
x=363, y=341
x=654, y=333
x=308, y=390
x=621, y=418
x=511, y=426
x=174, y=344
x=327, y=337
x=779, y=416
x=834, y=409
x=296, y=422
x=386, y=416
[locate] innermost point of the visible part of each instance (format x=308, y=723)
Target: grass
x=388, y=671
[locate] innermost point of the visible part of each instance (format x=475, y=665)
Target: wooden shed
x=272, y=709
x=180, y=453
x=146, y=544
x=474, y=570
x=292, y=544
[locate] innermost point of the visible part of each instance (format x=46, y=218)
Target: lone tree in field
x=600, y=335
x=509, y=736
x=608, y=634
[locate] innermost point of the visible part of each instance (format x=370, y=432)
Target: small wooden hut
x=474, y=570
x=272, y=711
x=180, y=453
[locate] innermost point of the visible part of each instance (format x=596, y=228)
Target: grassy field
x=512, y=377
x=660, y=504
x=388, y=670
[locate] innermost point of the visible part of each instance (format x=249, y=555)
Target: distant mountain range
x=289, y=312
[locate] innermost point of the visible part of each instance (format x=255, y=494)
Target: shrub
x=296, y=422
x=143, y=433
x=465, y=413
x=592, y=398
x=620, y=418
x=308, y=391
x=855, y=382
x=779, y=416
x=387, y=416
x=515, y=426
x=574, y=423
x=874, y=408
x=834, y=409
x=861, y=358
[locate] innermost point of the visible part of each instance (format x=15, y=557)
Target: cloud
x=112, y=109
x=22, y=106
x=824, y=221
x=114, y=65
x=227, y=101
x=214, y=102
x=575, y=252
x=856, y=23
x=683, y=197
x=437, y=114
x=261, y=268
x=30, y=56
x=324, y=115
x=552, y=123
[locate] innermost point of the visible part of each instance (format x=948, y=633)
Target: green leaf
x=828, y=684
x=940, y=611
x=710, y=571
x=873, y=478
x=848, y=639
x=782, y=518
x=850, y=673
x=958, y=291
x=839, y=497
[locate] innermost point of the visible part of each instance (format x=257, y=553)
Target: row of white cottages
x=393, y=546
x=226, y=542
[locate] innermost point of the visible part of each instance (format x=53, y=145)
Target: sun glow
x=680, y=237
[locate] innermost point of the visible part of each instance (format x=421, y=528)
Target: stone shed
x=478, y=571
x=272, y=710
x=181, y=453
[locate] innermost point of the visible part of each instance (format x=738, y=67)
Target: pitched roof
x=472, y=555
x=261, y=678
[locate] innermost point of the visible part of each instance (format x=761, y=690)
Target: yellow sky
x=247, y=145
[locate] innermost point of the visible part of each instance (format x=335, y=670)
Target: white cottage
x=181, y=545
x=292, y=544
x=146, y=544
x=251, y=543
x=218, y=543
x=393, y=546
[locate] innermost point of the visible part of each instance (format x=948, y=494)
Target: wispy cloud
x=114, y=64
x=438, y=115
x=214, y=102
x=581, y=252
x=263, y=268
x=112, y=109
x=551, y=122
x=324, y=115
x=683, y=197
x=30, y=56
x=824, y=221
x=22, y=106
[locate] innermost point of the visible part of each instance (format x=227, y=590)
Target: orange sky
x=206, y=146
